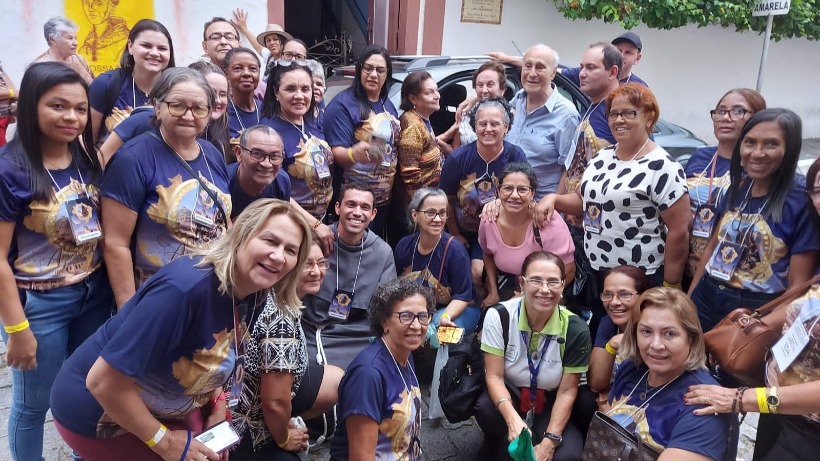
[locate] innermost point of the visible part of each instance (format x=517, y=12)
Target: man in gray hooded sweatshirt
x=335, y=319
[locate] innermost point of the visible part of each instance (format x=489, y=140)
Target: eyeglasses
x=292, y=55
x=177, y=109
x=217, y=36
x=625, y=114
x=288, y=62
x=507, y=189
x=406, y=318
x=537, y=282
x=368, y=69
x=320, y=264
x=734, y=113
x=431, y=214
x=260, y=155
x=624, y=296
x=813, y=193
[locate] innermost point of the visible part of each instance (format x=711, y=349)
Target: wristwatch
x=772, y=400
x=554, y=437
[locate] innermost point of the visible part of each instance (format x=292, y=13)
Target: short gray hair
x=54, y=28
x=543, y=46
x=243, y=138
x=173, y=76
x=316, y=68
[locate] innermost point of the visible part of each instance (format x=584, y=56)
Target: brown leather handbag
x=740, y=342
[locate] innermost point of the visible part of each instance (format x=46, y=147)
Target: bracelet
x=11, y=93
x=316, y=224
x=350, y=154
x=444, y=316
x=187, y=446
x=500, y=401
x=17, y=328
x=672, y=285
x=285, y=443
x=601, y=400
x=158, y=436
x=611, y=349
x=762, y=406
x=740, y=392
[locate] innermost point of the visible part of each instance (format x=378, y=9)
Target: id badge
x=317, y=155
x=704, y=221
x=790, y=345
x=84, y=220
x=485, y=189
x=236, y=382
x=530, y=418
x=592, y=217
x=204, y=210
x=340, y=304
x=724, y=260
x=382, y=148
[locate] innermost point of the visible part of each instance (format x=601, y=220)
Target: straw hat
x=273, y=29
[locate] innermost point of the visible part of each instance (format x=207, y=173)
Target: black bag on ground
x=462, y=379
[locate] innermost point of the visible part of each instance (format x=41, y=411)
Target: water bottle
x=298, y=423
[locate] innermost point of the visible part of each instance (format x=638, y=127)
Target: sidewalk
x=448, y=443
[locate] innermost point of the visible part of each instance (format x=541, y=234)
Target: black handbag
x=607, y=439
x=461, y=381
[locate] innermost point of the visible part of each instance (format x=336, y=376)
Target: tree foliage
x=803, y=19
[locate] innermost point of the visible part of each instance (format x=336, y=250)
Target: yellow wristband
x=350, y=154
x=762, y=406
x=444, y=316
x=611, y=349
x=17, y=328
x=153, y=441
x=285, y=443
x=11, y=93
x=672, y=285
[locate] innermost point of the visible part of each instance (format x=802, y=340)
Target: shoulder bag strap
x=536, y=232
x=787, y=297
x=444, y=259
x=185, y=165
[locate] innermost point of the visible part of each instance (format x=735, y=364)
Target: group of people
x=183, y=246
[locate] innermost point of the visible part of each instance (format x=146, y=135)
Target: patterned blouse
x=277, y=344
x=420, y=158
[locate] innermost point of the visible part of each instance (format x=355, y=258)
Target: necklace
x=649, y=391
x=635, y=155
x=239, y=117
x=134, y=89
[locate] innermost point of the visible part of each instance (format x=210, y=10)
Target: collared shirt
x=545, y=135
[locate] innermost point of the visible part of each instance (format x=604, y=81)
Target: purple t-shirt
x=173, y=215
x=463, y=168
x=308, y=189
x=43, y=248
x=344, y=126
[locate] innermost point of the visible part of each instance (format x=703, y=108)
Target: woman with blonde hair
x=664, y=353
x=152, y=376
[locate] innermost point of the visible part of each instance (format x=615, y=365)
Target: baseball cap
x=630, y=37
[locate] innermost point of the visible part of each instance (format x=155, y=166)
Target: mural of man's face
x=98, y=11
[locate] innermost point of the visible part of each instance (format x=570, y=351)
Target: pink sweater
x=555, y=238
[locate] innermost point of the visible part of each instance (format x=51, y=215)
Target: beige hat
x=273, y=29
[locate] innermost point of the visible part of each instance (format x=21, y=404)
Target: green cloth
x=521, y=448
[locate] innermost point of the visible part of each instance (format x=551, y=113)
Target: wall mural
x=104, y=27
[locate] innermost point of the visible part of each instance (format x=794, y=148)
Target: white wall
x=22, y=33
x=688, y=69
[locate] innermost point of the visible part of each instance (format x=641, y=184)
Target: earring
x=386, y=331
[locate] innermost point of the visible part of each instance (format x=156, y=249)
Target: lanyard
x=134, y=94
x=739, y=217
x=300, y=127
x=201, y=152
x=359, y=266
x=432, y=253
x=534, y=369
x=487, y=167
x=713, y=163
x=239, y=117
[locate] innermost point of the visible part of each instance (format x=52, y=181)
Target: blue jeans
x=715, y=300
x=61, y=319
